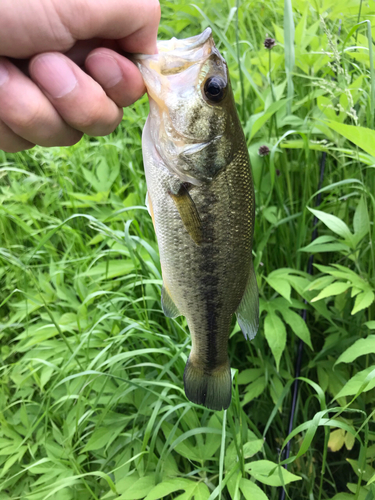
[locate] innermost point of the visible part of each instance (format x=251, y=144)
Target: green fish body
x=201, y=199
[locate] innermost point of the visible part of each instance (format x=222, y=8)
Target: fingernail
x=4, y=73
x=54, y=74
x=105, y=70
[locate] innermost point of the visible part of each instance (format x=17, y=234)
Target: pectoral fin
x=169, y=307
x=248, y=310
x=189, y=214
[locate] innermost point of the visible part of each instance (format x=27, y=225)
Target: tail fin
x=213, y=389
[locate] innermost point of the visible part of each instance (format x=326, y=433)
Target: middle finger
x=79, y=99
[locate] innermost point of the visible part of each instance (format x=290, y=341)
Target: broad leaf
x=275, y=333
x=336, y=440
x=251, y=491
x=359, y=348
x=362, y=137
x=334, y=289
x=363, y=300
x=140, y=488
x=333, y=223
x=361, y=222
x=363, y=380
x=297, y=324
x=280, y=285
x=270, y=473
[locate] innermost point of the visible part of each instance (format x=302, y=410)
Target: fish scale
x=204, y=228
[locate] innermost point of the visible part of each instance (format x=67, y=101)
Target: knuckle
x=157, y=10
x=154, y=9
x=91, y=116
x=27, y=119
x=99, y=120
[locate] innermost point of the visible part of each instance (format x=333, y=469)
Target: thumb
x=28, y=28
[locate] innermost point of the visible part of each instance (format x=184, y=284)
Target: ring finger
x=27, y=112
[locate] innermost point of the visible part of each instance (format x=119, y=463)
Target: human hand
x=46, y=98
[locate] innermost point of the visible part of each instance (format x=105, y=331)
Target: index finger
x=28, y=28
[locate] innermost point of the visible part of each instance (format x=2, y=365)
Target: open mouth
x=187, y=44
x=175, y=56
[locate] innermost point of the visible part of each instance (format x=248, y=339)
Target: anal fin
x=169, y=307
x=248, y=311
x=188, y=213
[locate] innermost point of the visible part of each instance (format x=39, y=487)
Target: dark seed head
x=269, y=43
x=263, y=151
x=278, y=172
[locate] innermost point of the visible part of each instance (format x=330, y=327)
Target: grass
x=92, y=403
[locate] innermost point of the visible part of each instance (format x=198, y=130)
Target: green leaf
x=343, y=496
x=110, y=269
x=361, y=136
x=101, y=437
x=363, y=300
x=259, y=122
x=320, y=283
x=254, y=389
x=361, y=222
x=249, y=375
x=270, y=473
x=370, y=325
x=252, y=447
x=140, y=488
x=168, y=487
x=289, y=50
x=363, y=492
x=275, y=333
x=333, y=223
x=90, y=177
x=366, y=472
x=102, y=173
x=359, y=348
x=251, y=491
x=297, y=324
x=280, y=285
x=333, y=289
x=325, y=243
x=362, y=381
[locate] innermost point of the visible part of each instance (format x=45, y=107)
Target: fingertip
x=10, y=142
x=117, y=75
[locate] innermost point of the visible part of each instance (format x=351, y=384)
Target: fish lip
x=175, y=45
x=184, y=44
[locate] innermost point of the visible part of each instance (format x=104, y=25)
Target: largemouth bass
x=201, y=199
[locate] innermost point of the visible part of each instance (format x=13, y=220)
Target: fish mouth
x=192, y=43
x=174, y=56
x=188, y=50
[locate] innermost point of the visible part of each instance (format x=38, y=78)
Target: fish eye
x=214, y=89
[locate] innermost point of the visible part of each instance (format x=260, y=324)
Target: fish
x=200, y=195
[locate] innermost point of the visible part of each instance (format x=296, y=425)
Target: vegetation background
x=92, y=403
